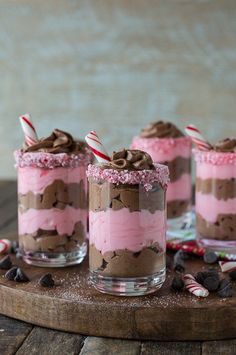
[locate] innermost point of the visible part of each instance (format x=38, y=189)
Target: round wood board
x=75, y=306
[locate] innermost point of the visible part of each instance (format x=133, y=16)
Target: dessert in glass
x=127, y=216
x=168, y=145
x=216, y=196
x=52, y=200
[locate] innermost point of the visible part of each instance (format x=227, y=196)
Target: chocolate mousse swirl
x=161, y=129
x=227, y=145
x=128, y=159
x=58, y=142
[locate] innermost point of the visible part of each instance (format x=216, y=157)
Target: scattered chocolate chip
x=177, y=284
x=14, y=247
x=211, y=283
x=210, y=257
x=232, y=275
x=20, y=276
x=225, y=289
x=202, y=275
x=11, y=274
x=5, y=263
x=47, y=281
x=179, y=261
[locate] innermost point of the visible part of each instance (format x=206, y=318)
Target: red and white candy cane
x=28, y=129
x=5, y=246
x=197, y=137
x=97, y=147
x=194, y=287
x=227, y=266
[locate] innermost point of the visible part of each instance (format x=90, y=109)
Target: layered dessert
x=216, y=193
x=127, y=216
x=167, y=145
x=52, y=200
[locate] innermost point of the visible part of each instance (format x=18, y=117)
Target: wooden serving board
x=75, y=306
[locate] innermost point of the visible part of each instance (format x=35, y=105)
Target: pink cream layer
x=61, y=220
x=209, y=207
x=210, y=171
x=164, y=149
x=37, y=179
x=181, y=189
x=112, y=230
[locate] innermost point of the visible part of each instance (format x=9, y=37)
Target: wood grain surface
x=75, y=306
x=114, y=66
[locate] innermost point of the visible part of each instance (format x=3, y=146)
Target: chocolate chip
x=232, y=275
x=5, y=263
x=179, y=261
x=225, y=289
x=202, y=275
x=177, y=284
x=210, y=257
x=11, y=274
x=20, y=276
x=47, y=281
x=14, y=247
x=211, y=283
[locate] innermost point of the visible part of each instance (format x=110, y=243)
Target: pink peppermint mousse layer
x=215, y=165
x=180, y=189
x=130, y=230
x=51, y=161
x=54, y=219
x=37, y=179
x=147, y=178
x=209, y=207
x=164, y=149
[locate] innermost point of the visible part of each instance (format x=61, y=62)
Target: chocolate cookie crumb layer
x=124, y=263
x=223, y=229
x=177, y=208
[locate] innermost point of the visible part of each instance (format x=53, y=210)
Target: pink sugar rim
x=155, y=141
x=214, y=158
x=132, y=177
x=51, y=161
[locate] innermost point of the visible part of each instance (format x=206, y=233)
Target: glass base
x=182, y=227
x=55, y=259
x=221, y=247
x=133, y=286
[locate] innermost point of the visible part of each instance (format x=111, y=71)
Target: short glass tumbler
x=52, y=214
x=127, y=237
x=216, y=200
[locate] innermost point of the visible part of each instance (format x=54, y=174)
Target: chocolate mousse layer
x=133, y=197
x=56, y=195
x=223, y=229
x=178, y=167
x=177, y=208
x=222, y=189
x=51, y=242
x=124, y=263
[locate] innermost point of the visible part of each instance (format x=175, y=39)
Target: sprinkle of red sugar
x=214, y=158
x=160, y=144
x=133, y=177
x=51, y=161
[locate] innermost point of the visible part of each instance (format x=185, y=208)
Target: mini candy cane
x=96, y=147
x=197, y=138
x=28, y=129
x=5, y=246
x=227, y=266
x=194, y=287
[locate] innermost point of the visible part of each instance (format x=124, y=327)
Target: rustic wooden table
x=17, y=337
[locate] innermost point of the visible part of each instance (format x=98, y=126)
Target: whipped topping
x=161, y=129
x=58, y=142
x=128, y=159
x=227, y=145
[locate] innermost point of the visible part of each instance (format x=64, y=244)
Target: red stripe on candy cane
x=28, y=123
x=99, y=154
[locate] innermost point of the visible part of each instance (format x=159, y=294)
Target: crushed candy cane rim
x=51, y=161
x=214, y=158
x=133, y=177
